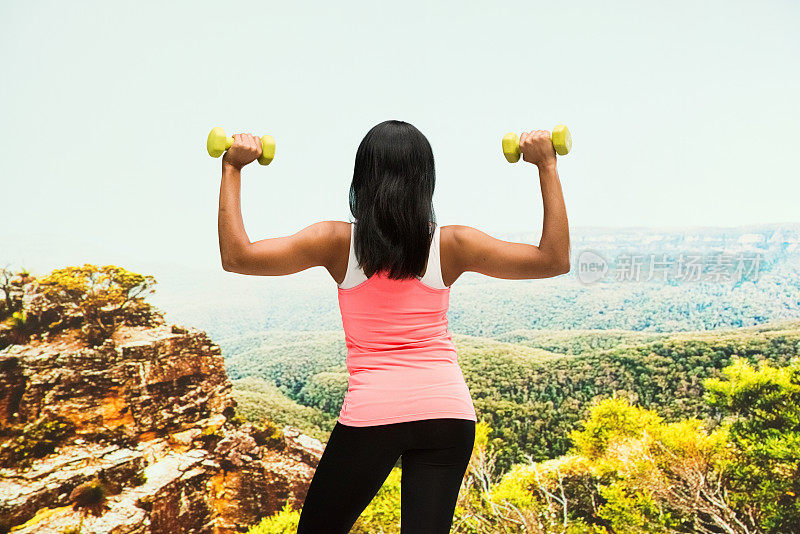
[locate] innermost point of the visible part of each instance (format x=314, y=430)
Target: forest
x=584, y=431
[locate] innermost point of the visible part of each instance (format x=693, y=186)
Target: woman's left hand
x=245, y=149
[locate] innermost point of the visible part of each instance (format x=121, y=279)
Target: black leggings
x=433, y=453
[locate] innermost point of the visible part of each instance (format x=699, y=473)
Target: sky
x=682, y=113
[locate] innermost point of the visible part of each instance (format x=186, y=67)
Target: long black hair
x=391, y=200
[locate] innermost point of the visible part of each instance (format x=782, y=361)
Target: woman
x=394, y=266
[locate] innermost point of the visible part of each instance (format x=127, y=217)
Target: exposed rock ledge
x=153, y=418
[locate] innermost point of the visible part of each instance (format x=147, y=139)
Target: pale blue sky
x=682, y=113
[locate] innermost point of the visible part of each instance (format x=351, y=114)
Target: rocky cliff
x=137, y=435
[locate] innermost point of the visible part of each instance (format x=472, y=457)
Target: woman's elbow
x=561, y=266
x=228, y=265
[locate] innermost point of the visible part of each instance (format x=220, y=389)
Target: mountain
x=142, y=428
x=658, y=280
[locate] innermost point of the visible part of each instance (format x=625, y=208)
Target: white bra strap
x=354, y=275
x=433, y=272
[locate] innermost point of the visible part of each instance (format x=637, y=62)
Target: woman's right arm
x=479, y=252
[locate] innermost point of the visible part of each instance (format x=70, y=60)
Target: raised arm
x=312, y=246
x=479, y=252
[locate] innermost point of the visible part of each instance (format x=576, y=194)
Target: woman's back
x=400, y=355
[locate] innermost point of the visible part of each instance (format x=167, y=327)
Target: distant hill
x=532, y=388
x=229, y=305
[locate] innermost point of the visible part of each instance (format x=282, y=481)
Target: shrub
x=90, y=497
x=12, y=285
x=237, y=420
x=267, y=434
x=283, y=522
x=18, y=328
x=139, y=478
x=102, y=297
x=35, y=440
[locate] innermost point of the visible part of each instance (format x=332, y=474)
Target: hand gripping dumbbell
x=218, y=143
x=560, y=136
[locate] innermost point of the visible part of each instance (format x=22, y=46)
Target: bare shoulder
x=322, y=242
x=328, y=236
x=339, y=230
x=454, y=237
x=338, y=238
x=465, y=248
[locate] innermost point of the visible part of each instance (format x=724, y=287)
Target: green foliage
x=14, y=324
x=286, y=359
x=532, y=398
x=533, y=405
x=634, y=512
x=12, y=285
x=259, y=400
x=516, y=487
x=575, y=342
x=18, y=319
x=267, y=434
x=620, y=426
x=494, y=308
x=104, y=297
x=612, y=419
x=529, y=498
x=18, y=329
x=630, y=471
x=652, y=476
x=237, y=419
x=35, y=440
x=90, y=497
x=283, y=522
x=382, y=515
x=762, y=410
x=325, y=391
x=487, y=307
x=557, y=495
x=139, y=478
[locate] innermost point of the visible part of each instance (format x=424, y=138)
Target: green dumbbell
x=561, y=138
x=218, y=143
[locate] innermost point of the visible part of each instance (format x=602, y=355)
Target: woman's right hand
x=537, y=148
x=246, y=148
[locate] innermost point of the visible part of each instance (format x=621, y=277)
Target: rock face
x=150, y=415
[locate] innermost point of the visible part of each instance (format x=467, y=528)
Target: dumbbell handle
x=218, y=143
x=560, y=137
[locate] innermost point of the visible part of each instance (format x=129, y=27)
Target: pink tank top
x=401, y=360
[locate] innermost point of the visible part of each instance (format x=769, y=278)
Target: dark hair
x=391, y=200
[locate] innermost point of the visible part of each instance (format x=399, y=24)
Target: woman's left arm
x=310, y=247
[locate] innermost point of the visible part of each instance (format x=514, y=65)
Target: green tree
x=12, y=284
x=762, y=408
x=656, y=477
x=102, y=297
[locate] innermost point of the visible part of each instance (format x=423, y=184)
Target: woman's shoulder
x=341, y=231
x=334, y=236
x=455, y=234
